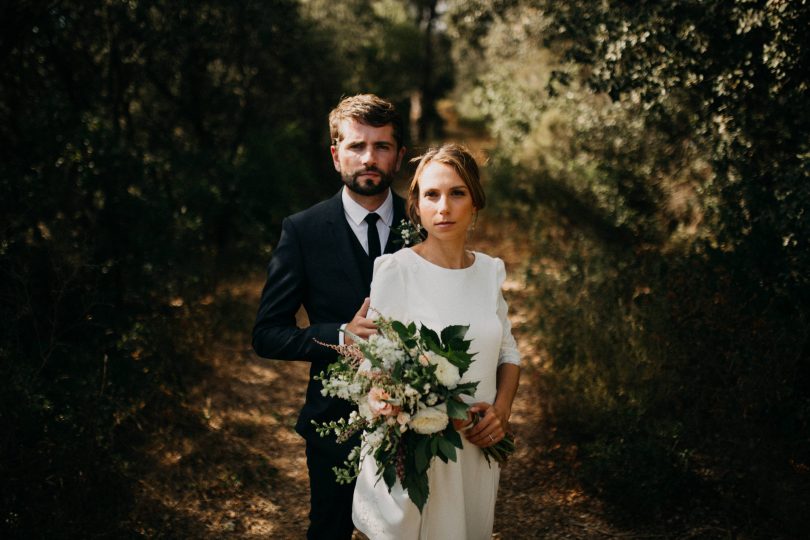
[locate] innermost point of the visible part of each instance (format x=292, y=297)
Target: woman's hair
x=457, y=158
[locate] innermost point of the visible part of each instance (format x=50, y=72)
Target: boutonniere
x=407, y=233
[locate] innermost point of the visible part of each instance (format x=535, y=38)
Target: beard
x=367, y=188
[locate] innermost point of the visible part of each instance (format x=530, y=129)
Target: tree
x=661, y=150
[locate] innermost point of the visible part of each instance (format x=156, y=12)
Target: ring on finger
x=490, y=438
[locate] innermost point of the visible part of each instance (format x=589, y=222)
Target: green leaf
x=446, y=449
x=430, y=338
x=466, y=388
x=401, y=330
x=421, y=454
x=390, y=476
x=456, y=409
x=454, y=332
x=417, y=488
x=453, y=437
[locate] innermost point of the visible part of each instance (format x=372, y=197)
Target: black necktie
x=373, y=236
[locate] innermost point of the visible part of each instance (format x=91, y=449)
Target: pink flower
x=378, y=403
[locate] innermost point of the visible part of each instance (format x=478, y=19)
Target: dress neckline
x=475, y=255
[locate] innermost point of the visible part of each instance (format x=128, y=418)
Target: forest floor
x=229, y=464
x=233, y=466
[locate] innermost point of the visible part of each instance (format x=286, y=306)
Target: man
x=324, y=261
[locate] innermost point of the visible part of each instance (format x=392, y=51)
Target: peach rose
x=378, y=403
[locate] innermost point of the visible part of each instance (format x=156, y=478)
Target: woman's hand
x=491, y=427
x=462, y=425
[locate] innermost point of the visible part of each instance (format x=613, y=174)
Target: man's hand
x=360, y=326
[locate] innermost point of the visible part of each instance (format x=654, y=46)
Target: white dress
x=461, y=504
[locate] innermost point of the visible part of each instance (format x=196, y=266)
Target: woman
x=439, y=283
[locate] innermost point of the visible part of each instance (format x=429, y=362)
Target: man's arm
x=275, y=334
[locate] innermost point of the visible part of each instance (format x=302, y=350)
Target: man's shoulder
x=317, y=211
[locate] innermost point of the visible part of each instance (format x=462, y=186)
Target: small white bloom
x=431, y=399
x=386, y=350
x=376, y=437
x=365, y=410
x=365, y=366
x=430, y=420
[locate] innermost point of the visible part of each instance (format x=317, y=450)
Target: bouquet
x=406, y=384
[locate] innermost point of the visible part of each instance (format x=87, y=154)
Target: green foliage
x=389, y=47
x=147, y=152
x=661, y=151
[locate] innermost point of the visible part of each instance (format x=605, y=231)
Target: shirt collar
x=357, y=213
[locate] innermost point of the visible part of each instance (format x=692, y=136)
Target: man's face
x=367, y=157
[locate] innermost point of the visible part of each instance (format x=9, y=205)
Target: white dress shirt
x=356, y=215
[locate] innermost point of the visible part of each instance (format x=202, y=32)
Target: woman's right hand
x=463, y=425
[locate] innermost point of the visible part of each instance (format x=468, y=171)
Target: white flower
x=403, y=418
x=387, y=351
x=431, y=399
x=365, y=410
x=376, y=437
x=446, y=372
x=429, y=420
x=365, y=366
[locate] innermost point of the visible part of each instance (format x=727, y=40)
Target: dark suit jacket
x=314, y=265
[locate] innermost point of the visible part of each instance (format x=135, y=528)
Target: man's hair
x=367, y=109
x=463, y=164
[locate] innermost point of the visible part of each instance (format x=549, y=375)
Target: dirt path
x=232, y=466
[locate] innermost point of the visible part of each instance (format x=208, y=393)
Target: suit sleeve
x=275, y=334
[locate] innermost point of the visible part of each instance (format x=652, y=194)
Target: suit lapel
x=340, y=232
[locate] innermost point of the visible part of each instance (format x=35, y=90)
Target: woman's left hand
x=492, y=426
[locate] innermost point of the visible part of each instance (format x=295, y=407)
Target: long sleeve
x=275, y=334
x=388, y=288
x=509, y=353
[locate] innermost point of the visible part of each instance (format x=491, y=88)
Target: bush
x=661, y=153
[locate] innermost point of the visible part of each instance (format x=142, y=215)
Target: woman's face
x=445, y=203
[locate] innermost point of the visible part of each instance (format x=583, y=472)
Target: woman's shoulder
x=493, y=267
x=391, y=262
x=397, y=258
x=488, y=260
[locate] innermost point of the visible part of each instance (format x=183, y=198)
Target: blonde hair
x=463, y=164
